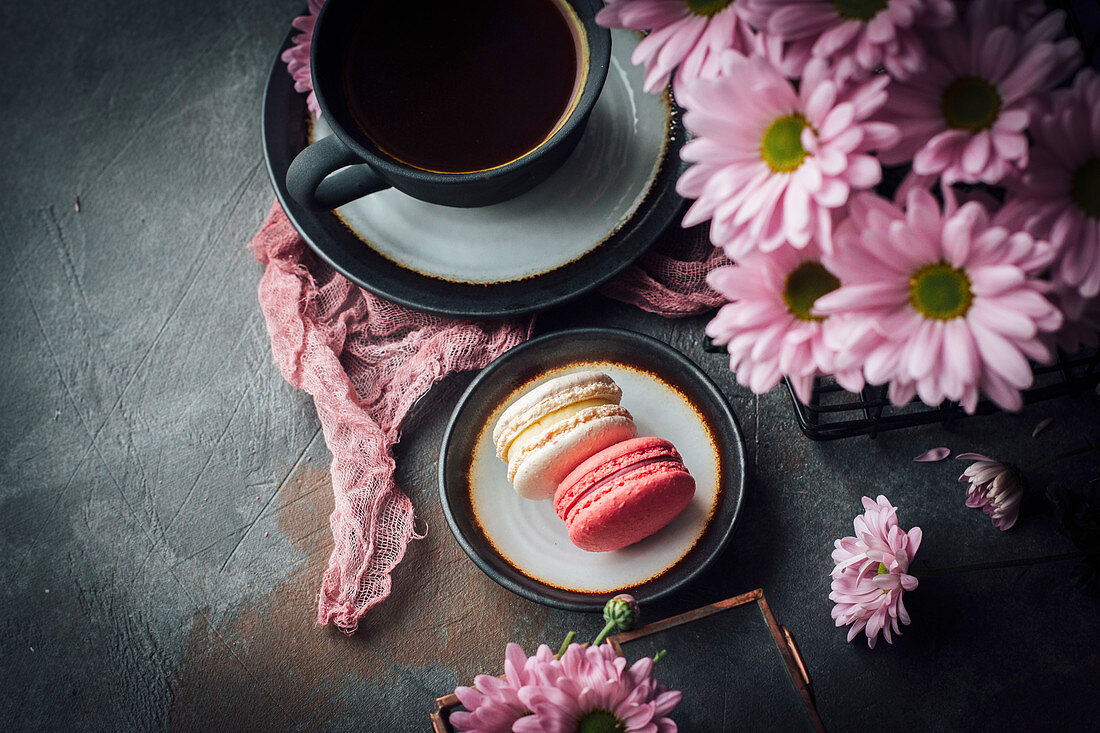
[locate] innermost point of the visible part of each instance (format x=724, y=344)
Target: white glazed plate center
x=533, y=539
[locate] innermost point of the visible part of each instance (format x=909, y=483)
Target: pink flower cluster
x=796, y=107
x=872, y=573
x=589, y=688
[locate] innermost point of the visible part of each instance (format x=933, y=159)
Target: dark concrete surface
x=164, y=493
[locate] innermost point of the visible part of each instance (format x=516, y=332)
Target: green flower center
x=883, y=571
x=971, y=103
x=1086, y=187
x=600, y=721
x=939, y=291
x=806, y=283
x=781, y=147
x=859, y=9
x=707, y=8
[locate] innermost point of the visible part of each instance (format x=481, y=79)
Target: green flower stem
x=607, y=629
x=931, y=572
x=659, y=655
x=565, y=644
x=1060, y=456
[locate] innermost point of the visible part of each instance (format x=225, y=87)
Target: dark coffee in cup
x=455, y=102
x=463, y=86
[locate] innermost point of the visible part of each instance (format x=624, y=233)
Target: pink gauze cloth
x=366, y=361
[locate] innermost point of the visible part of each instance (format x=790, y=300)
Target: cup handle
x=312, y=182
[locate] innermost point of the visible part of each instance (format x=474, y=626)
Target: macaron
x=551, y=429
x=624, y=494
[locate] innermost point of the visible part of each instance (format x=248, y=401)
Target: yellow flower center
x=781, y=147
x=940, y=291
x=806, y=283
x=859, y=9
x=1086, y=187
x=600, y=721
x=971, y=103
x=707, y=8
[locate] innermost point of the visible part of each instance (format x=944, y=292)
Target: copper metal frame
x=784, y=642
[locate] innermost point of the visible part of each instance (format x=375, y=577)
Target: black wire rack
x=834, y=413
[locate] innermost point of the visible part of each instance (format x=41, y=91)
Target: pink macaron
x=624, y=494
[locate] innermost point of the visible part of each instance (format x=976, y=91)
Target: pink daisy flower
x=858, y=36
x=943, y=303
x=772, y=163
x=494, y=703
x=965, y=115
x=691, y=34
x=872, y=573
x=1058, y=196
x=593, y=690
x=296, y=57
x=789, y=58
x=768, y=328
x=994, y=487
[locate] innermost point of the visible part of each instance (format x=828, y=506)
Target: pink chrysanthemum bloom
x=1080, y=315
x=858, y=36
x=872, y=573
x=1029, y=12
x=965, y=115
x=768, y=327
x=494, y=704
x=789, y=58
x=690, y=34
x=1081, y=328
x=296, y=57
x=996, y=488
x=1058, y=196
x=943, y=302
x=771, y=164
x=592, y=689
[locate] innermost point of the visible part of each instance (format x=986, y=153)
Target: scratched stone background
x=164, y=493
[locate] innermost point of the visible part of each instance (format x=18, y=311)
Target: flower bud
x=621, y=612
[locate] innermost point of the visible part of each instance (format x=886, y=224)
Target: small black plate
x=497, y=384
x=285, y=130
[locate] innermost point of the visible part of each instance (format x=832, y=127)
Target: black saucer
x=285, y=130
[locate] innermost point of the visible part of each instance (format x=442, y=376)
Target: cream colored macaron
x=556, y=426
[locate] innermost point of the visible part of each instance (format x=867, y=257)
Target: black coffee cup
x=382, y=93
